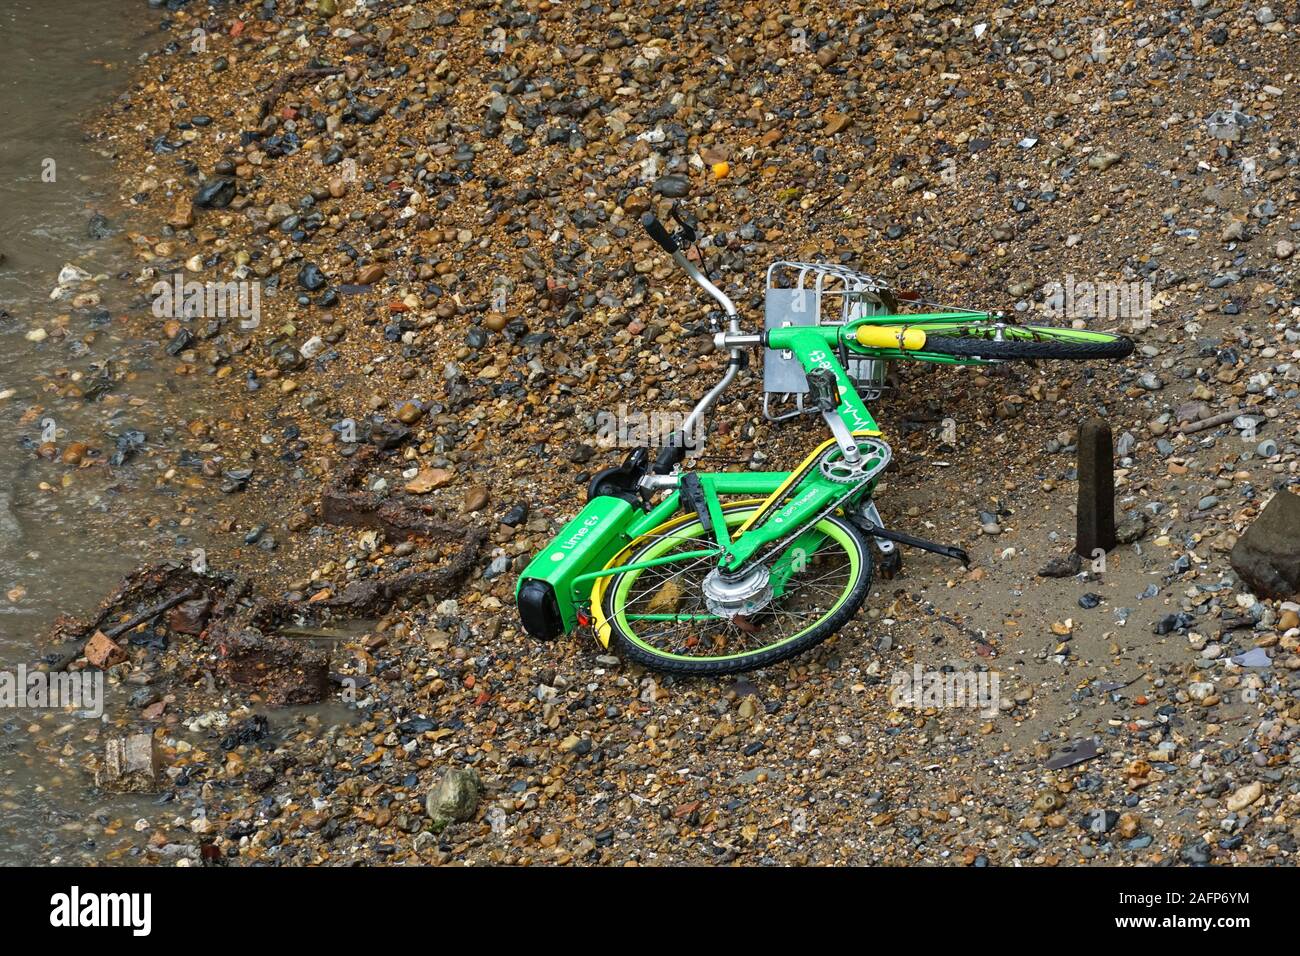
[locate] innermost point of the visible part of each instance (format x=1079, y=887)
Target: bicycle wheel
x=658, y=616
x=996, y=340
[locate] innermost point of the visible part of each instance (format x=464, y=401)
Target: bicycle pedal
x=823, y=390
x=693, y=492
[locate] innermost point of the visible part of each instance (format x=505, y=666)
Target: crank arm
x=957, y=554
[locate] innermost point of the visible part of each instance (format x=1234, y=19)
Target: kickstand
x=898, y=537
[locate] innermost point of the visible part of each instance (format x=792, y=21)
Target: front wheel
x=659, y=616
x=999, y=340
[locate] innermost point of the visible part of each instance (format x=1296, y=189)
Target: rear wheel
x=998, y=340
x=659, y=616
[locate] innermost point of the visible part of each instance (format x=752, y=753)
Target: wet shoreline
x=68, y=373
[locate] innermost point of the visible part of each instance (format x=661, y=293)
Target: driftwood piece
x=1214, y=420
x=281, y=85
x=178, y=582
x=399, y=516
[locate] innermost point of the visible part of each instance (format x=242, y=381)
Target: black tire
x=975, y=341
x=760, y=658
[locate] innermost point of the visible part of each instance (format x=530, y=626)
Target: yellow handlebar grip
x=890, y=337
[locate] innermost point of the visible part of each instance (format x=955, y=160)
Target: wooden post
x=1096, y=512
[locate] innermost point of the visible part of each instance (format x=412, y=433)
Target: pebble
x=1244, y=796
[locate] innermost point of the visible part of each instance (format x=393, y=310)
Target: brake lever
x=686, y=235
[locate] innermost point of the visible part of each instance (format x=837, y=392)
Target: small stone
x=1245, y=796
x=310, y=277
x=455, y=798
x=1103, y=160
x=130, y=765
x=189, y=617
x=182, y=214
x=1130, y=528
x=75, y=453
x=371, y=273
x=476, y=498
x=428, y=479
x=215, y=193
x=1099, y=821
x=1062, y=567
x=1130, y=824
x=103, y=652
x=410, y=413
x=1234, y=231
x=674, y=187
x=837, y=123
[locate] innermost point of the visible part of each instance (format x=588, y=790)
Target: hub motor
x=732, y=595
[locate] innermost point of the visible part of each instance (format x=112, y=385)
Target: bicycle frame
x=569, y=576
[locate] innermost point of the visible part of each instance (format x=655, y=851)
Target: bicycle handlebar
x=672, y=245
x=658, y=233
x=669, y=244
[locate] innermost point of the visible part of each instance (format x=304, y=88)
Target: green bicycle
x=693, y=586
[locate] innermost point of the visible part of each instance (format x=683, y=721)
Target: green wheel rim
x=623, y=584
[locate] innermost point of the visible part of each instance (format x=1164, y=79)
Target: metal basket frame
x=817, y=293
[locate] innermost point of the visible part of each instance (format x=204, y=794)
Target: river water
x=67, y=533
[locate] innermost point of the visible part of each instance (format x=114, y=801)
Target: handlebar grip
x=658, y=233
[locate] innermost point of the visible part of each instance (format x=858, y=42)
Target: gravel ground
x=440, y=208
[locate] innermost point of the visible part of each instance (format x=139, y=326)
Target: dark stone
x=1065, y=567
x=515, y=516
x=310, y=277
x=1197, y=854
x=1267, y=556
x=98, y=227
x=1099, y=821
x=215, y=194
x=181, y=341
x=674, y=187
x=189, y=617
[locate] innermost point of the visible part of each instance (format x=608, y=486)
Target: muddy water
x=67, y=533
